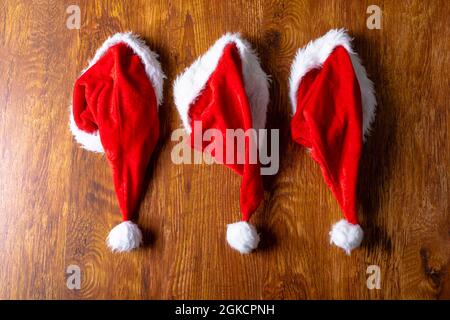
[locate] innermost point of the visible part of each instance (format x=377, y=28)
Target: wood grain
x=57, y=202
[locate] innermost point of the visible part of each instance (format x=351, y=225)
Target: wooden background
x=57, y=202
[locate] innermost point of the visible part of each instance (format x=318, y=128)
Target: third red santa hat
x=226, y=89
x=333, y=104
x=115, y=111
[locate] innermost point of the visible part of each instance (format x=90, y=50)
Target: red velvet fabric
x=328, y=120
x=223, y=104
x=116, y=97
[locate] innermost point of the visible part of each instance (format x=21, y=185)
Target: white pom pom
x=242, y=236
x=346, y=235
x=126, y=236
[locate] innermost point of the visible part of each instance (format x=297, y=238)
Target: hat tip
x=346, y=235
x=242, y=236
x=124, y=237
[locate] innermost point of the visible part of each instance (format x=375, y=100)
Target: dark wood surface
x=57, y=201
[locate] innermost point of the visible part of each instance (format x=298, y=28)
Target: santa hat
x=333, y=105
x=115, y=111
x=227, y=89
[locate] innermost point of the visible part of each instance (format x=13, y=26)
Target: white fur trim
x=189, y=85
x=346, y=235
x=147, y=56
x=242, y=236
x=89, y=141
x=313, y=56
x=126, y=236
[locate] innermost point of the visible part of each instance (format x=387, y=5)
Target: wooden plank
x=57, y=201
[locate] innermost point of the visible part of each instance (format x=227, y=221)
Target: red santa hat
x=227, y=89
x=333, y=105
x=115, y=111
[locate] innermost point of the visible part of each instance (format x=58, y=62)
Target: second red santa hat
x=115, y=111
x=226, y=89
x=333, y=105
